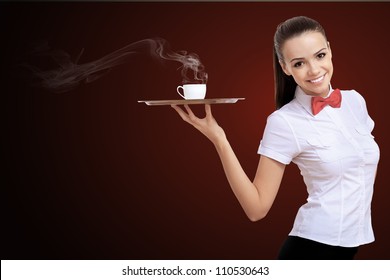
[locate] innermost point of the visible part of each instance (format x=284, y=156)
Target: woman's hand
x=257, y=197
x=208, y=125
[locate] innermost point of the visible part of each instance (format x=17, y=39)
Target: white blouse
x=337, y=157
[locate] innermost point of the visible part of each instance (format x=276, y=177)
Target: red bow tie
x=318, y=103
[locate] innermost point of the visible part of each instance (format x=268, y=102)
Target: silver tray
x=191, y=101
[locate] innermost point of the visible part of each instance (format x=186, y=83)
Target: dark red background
x=92, y=174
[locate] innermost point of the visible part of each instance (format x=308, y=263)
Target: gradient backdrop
x=92, y=174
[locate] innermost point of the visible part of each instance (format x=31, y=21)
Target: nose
x=314, y=68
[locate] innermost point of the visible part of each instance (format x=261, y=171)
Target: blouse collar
x=305, y=99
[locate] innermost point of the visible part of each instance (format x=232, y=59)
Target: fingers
x=190, y=117
x=182, y=114
x=190, y=113
x=208, y=111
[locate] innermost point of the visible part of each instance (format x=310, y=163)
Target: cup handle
x=178, y=91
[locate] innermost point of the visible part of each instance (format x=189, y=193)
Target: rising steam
x=68, y=74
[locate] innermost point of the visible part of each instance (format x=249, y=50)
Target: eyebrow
x=300, y=58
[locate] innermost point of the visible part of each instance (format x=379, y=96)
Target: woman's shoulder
x=351, y=94
x=281, y=117
x=353, y=97
x=277, y=117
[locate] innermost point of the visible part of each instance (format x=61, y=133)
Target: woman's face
x=308, y=59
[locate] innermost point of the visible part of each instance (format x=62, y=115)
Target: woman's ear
x=285, y=70
x=330, y=51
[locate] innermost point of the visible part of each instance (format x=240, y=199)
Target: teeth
x=317, y=80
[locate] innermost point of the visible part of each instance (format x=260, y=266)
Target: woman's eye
x=298, y=64
x=321, y=55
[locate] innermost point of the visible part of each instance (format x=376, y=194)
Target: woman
x=326, y=132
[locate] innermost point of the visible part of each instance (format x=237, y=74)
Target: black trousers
x=298, y=248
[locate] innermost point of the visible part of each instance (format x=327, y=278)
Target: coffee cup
x=192, y=91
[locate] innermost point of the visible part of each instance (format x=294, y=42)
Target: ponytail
x=284, y=85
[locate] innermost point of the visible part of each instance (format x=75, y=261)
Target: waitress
x=326, y=132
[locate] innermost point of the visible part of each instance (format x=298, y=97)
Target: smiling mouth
x=317, y=80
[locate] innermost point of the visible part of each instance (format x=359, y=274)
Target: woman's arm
x=257, y=197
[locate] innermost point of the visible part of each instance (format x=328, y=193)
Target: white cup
x=192, y=91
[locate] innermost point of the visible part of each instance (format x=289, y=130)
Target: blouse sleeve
x=279, y=141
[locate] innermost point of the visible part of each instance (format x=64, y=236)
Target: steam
x=68, y=74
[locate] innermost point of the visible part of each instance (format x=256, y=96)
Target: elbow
x=255, y=217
